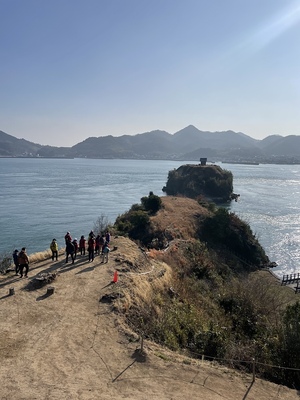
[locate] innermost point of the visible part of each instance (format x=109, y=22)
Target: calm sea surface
x=44, y=198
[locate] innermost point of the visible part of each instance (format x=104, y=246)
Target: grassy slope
x=211, y=302
x=72, y=346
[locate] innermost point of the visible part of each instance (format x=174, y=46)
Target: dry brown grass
x=42, y=255
x=173, y=305
x=146, y=286
x=74, y=338
x=177, y=218
x=150, y=276
x=144, y=277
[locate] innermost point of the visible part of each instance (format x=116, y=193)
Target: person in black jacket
x=82, y=245
x=16, y=262
x=69, y=251
x=23, y=261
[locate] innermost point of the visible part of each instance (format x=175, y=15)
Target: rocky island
x=209, y=181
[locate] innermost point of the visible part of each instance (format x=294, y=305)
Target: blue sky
x=70, y=69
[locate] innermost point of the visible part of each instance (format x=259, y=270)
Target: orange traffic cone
x=115, y=279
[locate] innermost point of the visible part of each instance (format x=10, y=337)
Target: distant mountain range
x=188, y=144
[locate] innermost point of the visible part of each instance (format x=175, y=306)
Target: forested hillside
x=187, y=144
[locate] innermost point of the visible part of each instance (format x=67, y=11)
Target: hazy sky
x=70, y=69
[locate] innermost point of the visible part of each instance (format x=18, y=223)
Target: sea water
x=42, y=199
x=270, y=203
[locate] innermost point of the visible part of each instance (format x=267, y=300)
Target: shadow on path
x=5, y=296
x=248, y=390
x=138, y=356
x=44, y=296
x=88, y=269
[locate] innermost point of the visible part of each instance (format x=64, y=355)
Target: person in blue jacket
x=16, y=262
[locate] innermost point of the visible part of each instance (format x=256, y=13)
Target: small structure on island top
x=203, y=160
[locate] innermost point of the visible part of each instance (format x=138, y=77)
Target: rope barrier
x=253, y=361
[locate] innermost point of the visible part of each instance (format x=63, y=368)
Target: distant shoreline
x=153, y=159
x=54, y=158
x=241, y=162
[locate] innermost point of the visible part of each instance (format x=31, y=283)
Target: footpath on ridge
x=71, y=345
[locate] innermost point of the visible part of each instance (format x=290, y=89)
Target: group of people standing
x=96, y=245
x=21, y=262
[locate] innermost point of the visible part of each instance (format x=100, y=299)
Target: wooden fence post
x=50, y=290
x=142, y=344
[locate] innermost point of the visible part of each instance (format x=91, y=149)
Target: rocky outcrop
x=209, y=181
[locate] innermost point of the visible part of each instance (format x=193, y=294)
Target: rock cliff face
x=209, y=181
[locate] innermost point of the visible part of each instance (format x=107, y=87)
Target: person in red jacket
x=91, y=248
x=68, y=237
x=82, y=245
x=97, y=244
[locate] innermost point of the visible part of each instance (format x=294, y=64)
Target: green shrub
x=226, y=229
x=133, y=223
x=5, y=262
x=139, y=220
x=151, y=203
x=136, y=222
x=290, y=352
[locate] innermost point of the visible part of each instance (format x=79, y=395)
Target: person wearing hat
x=68, y=237
x=16, y=262
x=23, y=261
x=54, y=249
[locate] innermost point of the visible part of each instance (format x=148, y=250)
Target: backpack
x=21, y=258
x=70, y=248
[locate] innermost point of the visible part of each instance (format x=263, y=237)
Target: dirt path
x=70, y=345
